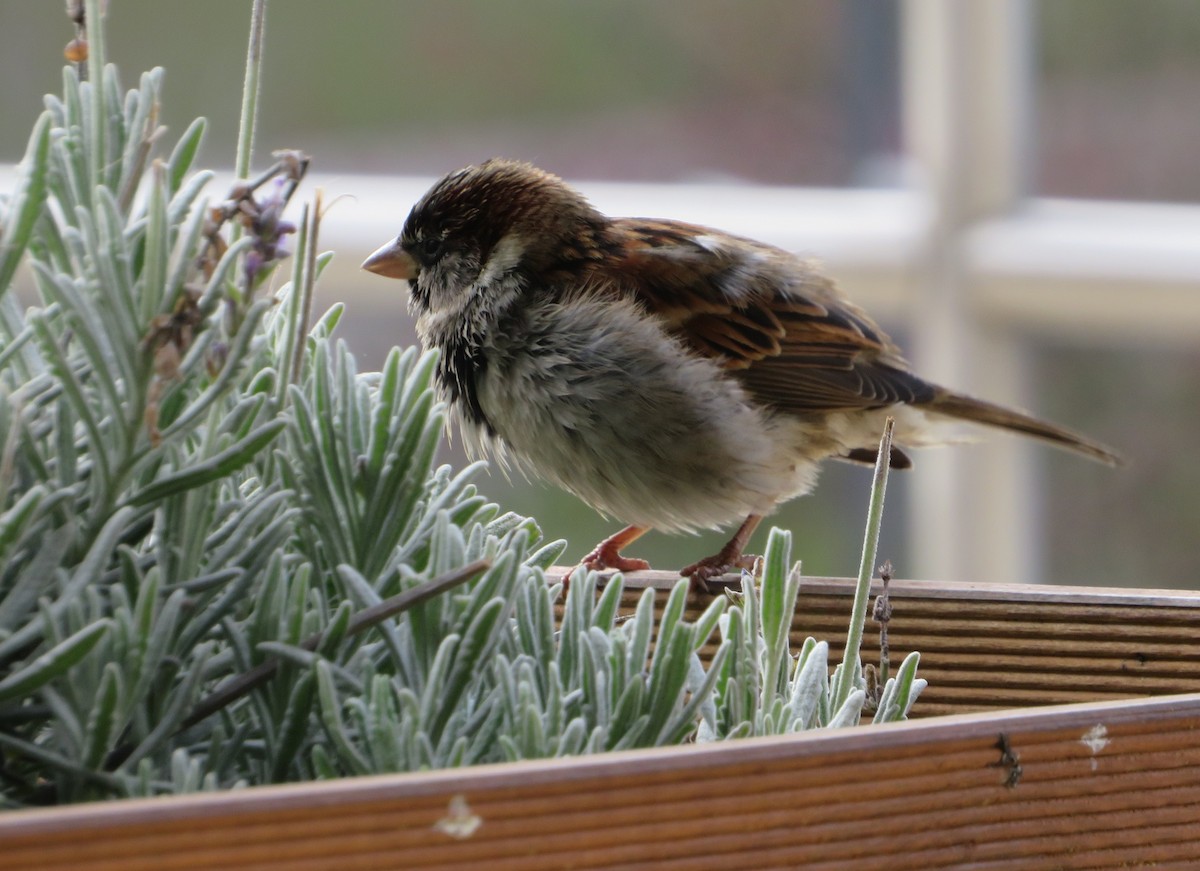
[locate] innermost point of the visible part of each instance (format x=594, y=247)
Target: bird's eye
x=427, y=249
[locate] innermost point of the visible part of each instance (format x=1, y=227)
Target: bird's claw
x=605, y=558
x=597, y=561
x=713, y=567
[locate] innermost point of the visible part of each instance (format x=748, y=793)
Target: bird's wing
x=768, y=317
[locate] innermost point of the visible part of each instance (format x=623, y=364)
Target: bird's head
x=483, y=230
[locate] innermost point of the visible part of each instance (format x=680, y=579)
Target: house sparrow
x=673, y=376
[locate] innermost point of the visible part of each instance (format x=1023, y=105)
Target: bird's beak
x=392, y=261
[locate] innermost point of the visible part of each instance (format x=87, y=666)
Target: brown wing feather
x=778, y=325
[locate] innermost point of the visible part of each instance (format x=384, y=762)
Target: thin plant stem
x=94, y=22
x=303, y=292
x=862, y=592
x=249, y=117
x=882, y=613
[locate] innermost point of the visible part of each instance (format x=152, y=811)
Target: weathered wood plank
x=1104, y=784
x=987, y=646
x=1100, y=786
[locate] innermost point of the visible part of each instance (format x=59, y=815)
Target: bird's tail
x=951, y=404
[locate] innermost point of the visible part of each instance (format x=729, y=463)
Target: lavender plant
x=762, y=689
x=227, y=557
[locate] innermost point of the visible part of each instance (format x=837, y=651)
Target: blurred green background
x=800, y=92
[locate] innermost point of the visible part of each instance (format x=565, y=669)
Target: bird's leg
x=727, y=558
x=607, y=554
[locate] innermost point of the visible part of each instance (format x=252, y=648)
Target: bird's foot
x=712, y=567
x=728, y=559
x=598, y=561
x=607, y=555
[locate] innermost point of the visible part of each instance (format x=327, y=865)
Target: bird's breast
x=596, y=398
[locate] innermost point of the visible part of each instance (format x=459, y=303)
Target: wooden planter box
x=1105, y=777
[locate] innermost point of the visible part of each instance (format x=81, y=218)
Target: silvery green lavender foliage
x=227, y=557
x=197, y=487
x=763, y=689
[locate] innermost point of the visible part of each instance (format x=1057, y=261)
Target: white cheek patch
x=504, y=258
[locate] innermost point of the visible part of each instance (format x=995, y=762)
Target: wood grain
x=994, y=646
x=1103, y=784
